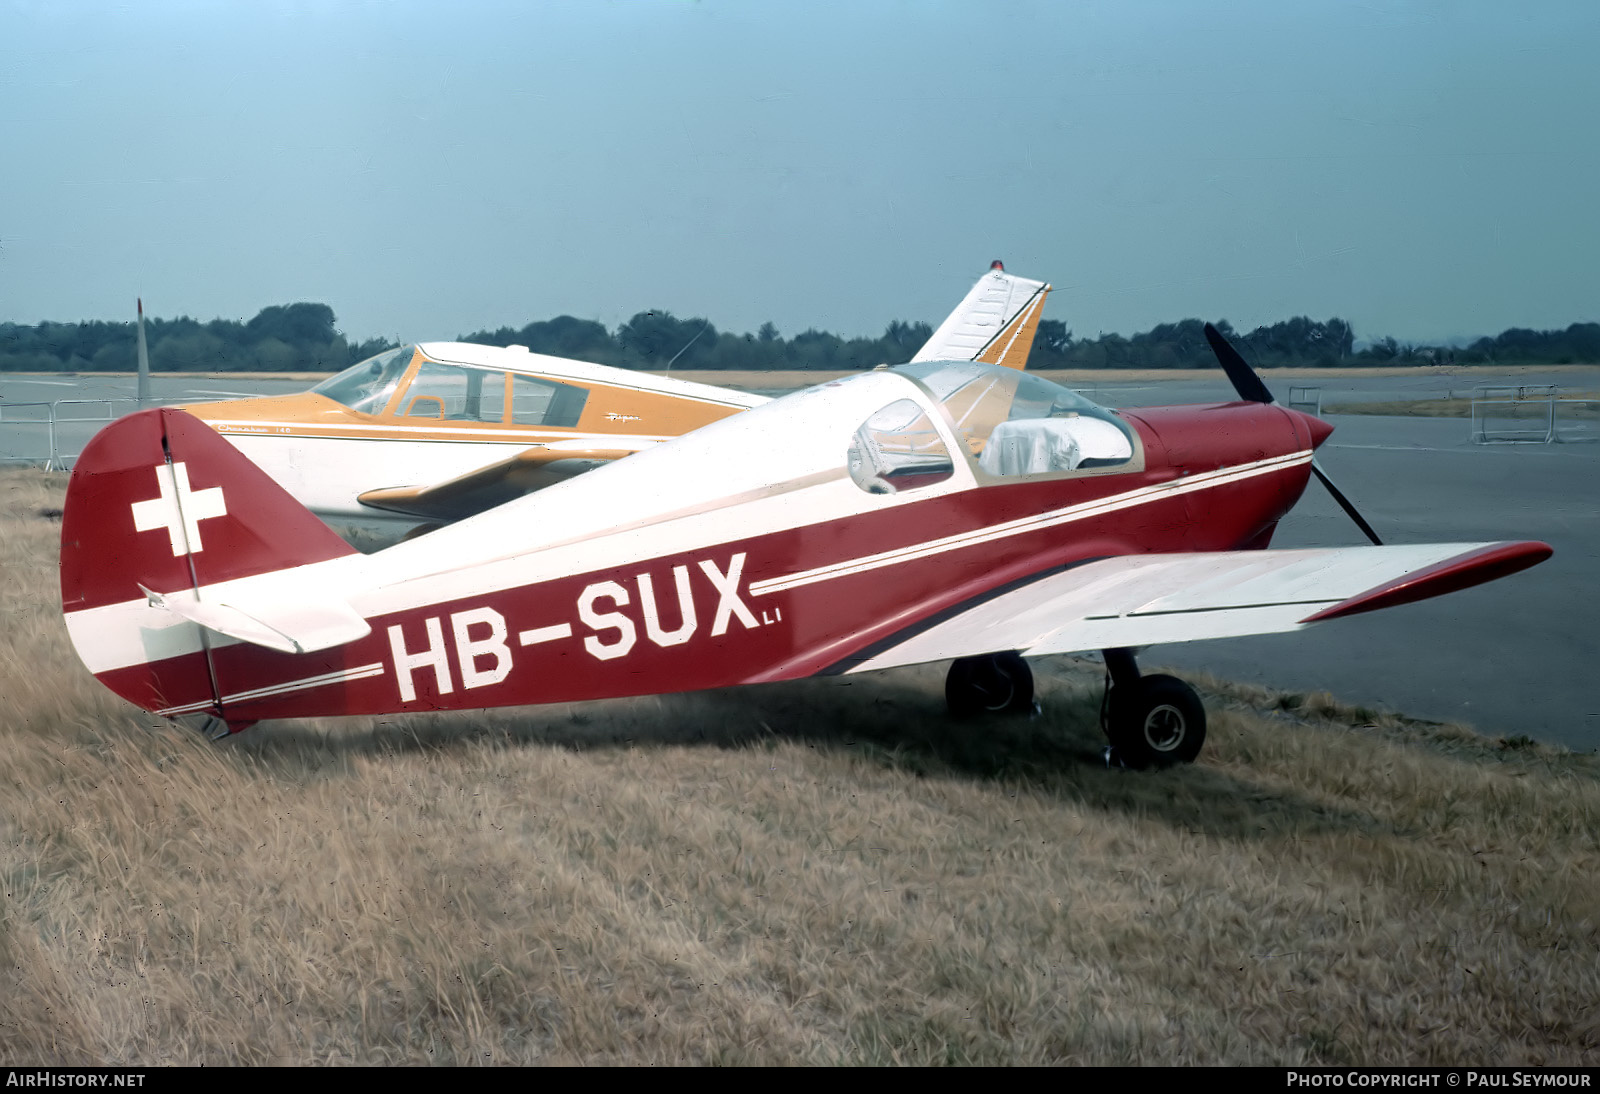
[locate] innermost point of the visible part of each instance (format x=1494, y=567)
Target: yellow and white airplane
x=427, y=434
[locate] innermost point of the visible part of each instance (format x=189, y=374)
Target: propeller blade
x=1245, y=380
x=1344, y=502
x=1250, y=388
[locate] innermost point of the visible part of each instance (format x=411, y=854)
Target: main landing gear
x=996, y=683
x=1152, y=721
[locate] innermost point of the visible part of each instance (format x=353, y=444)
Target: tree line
x=304, y=338
x=281, y=338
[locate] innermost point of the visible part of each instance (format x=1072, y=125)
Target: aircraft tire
x=1162, y=722
x=996, y=683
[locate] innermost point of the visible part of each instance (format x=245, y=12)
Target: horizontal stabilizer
x=1146, y=600
x=494, y=484
x=287, y=627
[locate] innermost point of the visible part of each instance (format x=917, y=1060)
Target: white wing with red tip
x=1144, y=600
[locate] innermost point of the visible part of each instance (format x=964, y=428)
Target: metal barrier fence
x=1308, y=399
x=1507, y=414
x=1570, y=428
x=28, y=422
x=57, y=430
x=1530, y=414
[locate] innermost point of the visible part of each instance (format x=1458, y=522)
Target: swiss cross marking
x=179, y=509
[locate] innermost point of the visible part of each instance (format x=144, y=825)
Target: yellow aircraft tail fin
x=995, y=323
x=1012, y=345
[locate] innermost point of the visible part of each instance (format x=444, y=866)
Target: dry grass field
x=823, y=872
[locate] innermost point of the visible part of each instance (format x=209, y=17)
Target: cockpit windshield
x=370, y=385
x=1016, y=423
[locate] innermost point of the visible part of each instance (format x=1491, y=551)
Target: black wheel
x=997, y=683
x=1158, y=722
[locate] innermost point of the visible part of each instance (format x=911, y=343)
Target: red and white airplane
x=937, y=511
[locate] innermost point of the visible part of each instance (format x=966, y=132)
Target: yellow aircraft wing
x=493, y=484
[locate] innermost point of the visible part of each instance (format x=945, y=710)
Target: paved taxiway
x=1511, y=657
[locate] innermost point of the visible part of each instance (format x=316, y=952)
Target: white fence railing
x=52, y=435
x=1308, y=399
x=1570, y=426
x=1530, y=414
x=28, y=434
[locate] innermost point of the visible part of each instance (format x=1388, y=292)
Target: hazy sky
x=1421, y=169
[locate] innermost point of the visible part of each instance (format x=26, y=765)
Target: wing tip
x=1494, y=560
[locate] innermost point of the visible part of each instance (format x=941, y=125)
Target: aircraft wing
x=1143, y=600
x=995, y=323
x=493, y=484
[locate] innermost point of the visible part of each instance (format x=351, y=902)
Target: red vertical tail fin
x=159, y=503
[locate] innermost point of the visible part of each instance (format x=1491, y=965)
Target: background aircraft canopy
x=369, y=385
x=448, y=391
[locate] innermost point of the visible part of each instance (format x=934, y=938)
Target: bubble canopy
x=1018, y=423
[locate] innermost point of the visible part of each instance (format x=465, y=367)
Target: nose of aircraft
x=1314, y=426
